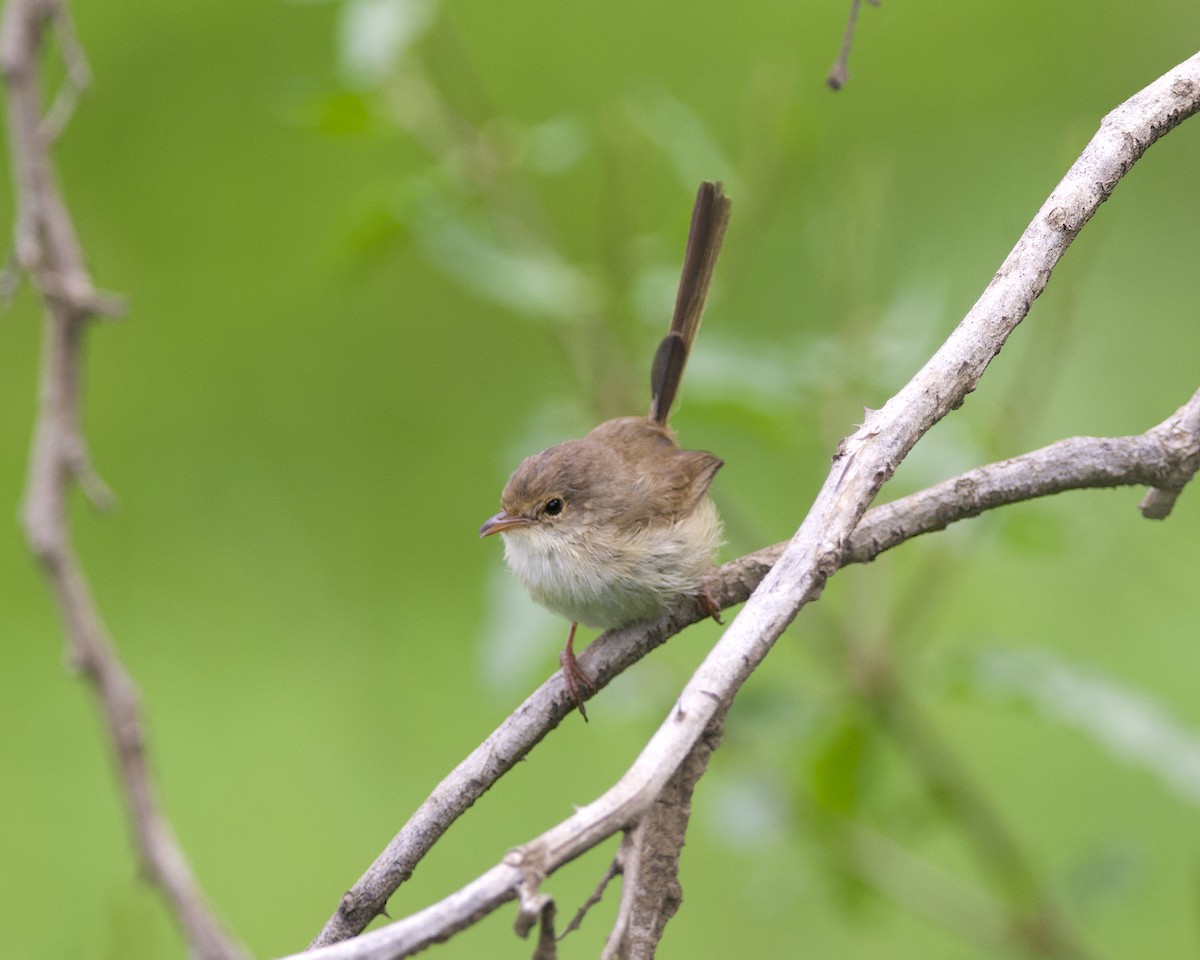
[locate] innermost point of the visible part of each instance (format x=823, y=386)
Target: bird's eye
x=554, y=506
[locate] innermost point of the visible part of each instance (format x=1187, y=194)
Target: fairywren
x=614, y=527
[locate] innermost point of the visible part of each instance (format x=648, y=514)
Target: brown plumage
x=613, y=527
x=710, y=217
x=608, y=529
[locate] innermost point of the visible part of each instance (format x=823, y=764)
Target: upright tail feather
x=710, y=217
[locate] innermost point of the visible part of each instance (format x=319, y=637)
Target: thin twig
x=537, y=910
x=48, y=249
x=839, y=73
x=613, y=870
x=863, y=463
x=78, y=79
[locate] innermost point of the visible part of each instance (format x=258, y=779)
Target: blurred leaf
x=526, y=276
x=1130, y=724
x=749, y=810
x=268, y=399
x=374, y=228
x=342, y=114
x=766, y=380
x=835, y=769
x=1106, y=874
x=375, y=34
x=558, y=144
x=911, y=327
x=682, y=135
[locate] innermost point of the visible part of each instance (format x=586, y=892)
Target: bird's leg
x=573, y=674
x=708, y=605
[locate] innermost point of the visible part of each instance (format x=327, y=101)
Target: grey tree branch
x=1167, y=455
x=785, y=579
x=650, y=888
x=48, y=249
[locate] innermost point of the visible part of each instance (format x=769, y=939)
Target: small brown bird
x=614, y=527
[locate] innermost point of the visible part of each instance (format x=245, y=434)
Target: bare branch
x=1180, y=436
x=1168, y=454
x=613, y=870
x=824, y=542
x=78, y=79
x=650, y=892
x=839, y=73
x=537, y=909
x=47, y=247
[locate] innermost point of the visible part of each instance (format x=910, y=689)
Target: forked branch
x=834, y=533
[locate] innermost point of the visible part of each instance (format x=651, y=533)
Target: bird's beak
x=501, y=522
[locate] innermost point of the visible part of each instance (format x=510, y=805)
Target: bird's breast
x=603, y=577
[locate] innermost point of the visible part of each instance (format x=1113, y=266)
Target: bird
x=616, y=526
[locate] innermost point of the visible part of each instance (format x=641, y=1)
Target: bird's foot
x=576, y=680
x=708, y=605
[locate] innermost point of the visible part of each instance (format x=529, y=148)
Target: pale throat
x=602, y=580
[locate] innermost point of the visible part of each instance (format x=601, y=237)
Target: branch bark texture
x=835, y=532
x=649, y=857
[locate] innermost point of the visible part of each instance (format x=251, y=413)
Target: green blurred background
x=376, y=252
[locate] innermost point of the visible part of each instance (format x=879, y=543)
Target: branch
x=48, y=249
x=839, y=73
x=650, y=890
x=823, y=543
x=1166, y=456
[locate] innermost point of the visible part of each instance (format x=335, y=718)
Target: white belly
x=604, y=581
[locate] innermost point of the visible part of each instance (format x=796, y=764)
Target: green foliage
x=377, y=250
